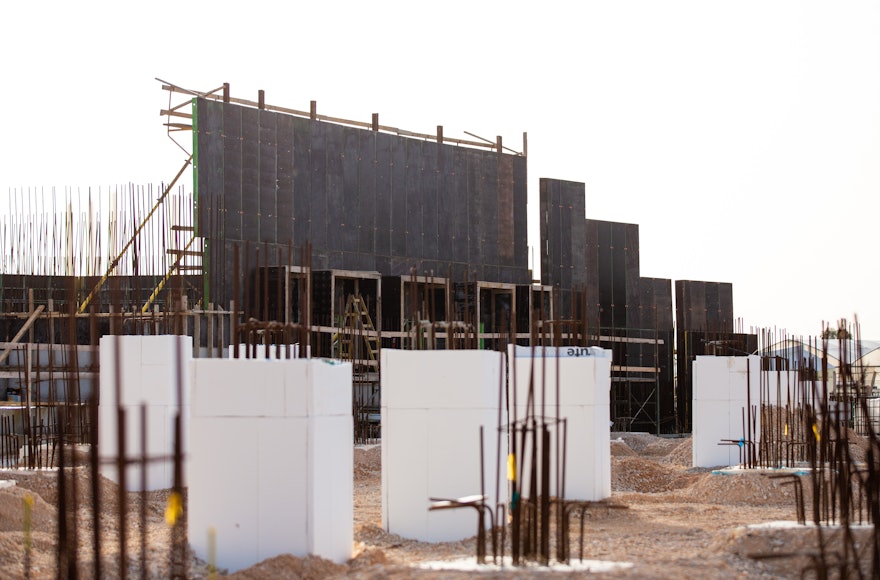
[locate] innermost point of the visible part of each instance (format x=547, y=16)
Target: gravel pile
x=636, y=474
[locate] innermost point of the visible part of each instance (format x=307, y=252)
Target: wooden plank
x=335, y=217
x=383, y=194
x=445, y=205
x=520, y=219
x=506, y=209
x=488, y=192
x=339, y=120
x=430, y=203
x=398, y=198
x=564, y=236
x=268, y=175
x=318, y=189
x=302, y=182
x=633, y=276
x=285, y=170
x=605, y=272
x=250, y=175
x=619, y=274
x=366, y=179
x=474, y=209
x=725, y=306
x=458, y=204
x=591, y=257
x=545, y=225
x=413, y=202
x=172, y=113
x=575, y=194
x=349, y=227
x=21, y=332
x=231, y=208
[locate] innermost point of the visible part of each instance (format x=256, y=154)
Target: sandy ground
x=666, y=520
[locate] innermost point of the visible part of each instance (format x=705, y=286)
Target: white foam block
x=332, y=395
x=582, y=379
x=302, y=493
x=147, y=375
x=331, y=487
x=433, y=405
x=283, y=524
x=405, y=471
x=441, y=379
x=723, y=388
x=221, y=500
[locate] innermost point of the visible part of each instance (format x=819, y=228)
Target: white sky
x=743, y=137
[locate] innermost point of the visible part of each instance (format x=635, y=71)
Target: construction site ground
x=666, y=520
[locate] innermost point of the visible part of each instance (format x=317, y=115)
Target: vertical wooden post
x=225, y=92
x=439, y=133
x=261, y=99
x=375, y=121
x=313, y=110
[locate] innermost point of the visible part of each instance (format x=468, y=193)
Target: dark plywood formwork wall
x=365, y=200
x=612, y=260
x=655, y=312
x=705, y=306
x=704, y=317
x=562, y=240
x=598, y=258
x=655, y=304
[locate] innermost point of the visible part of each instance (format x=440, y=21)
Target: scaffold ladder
x=358, y=325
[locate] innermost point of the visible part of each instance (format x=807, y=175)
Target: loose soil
x=665, y=518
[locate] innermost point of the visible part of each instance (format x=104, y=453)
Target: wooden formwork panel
x=364, y=199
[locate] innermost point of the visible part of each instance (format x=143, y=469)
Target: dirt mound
x=366, y=556
x=636, y=441
x=741, y=489
x=288, y=566
x=39, y=482
x=44, y=483
x=13, y=502
x=660, y=448
x=681, y=454
x=646, y=476
x=368, y=461
x=619, y=448
x=783, y=548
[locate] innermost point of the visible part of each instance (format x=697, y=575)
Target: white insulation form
x=723, y=387
x=147, y=371
x=271, y=460
x=433, y=405
x=582, y=379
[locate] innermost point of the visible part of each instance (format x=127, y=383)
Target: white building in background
x=861, y=356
